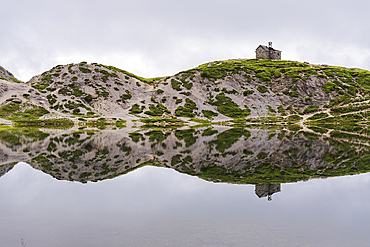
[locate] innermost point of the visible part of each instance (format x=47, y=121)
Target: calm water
x=159, y=206
x=155, y=206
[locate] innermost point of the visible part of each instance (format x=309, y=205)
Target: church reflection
x=263, y=190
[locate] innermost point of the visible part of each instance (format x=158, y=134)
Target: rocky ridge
x=7, y=76
x=216, y=91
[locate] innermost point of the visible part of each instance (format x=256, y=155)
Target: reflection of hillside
x=217, y=153
x=5, y=168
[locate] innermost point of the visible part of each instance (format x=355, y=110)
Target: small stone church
x=267, y=52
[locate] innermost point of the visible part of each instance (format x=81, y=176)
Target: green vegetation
x=329, y=87
x=271, y=109
x=262, y=89
x=187, y=109
x=157, y=135
x=61, y=122
x=281, y=110
x=187, y=136
x=350, y=108
x=318, y=116
x=293, y=118
x=157, y=110
x=342, y=99
x=229, y=108
x=248, y=92
x=135, y=109
x=227, y=138
x=176, y=85
x=162, y=122
x=310, y=109
x=136, y=137
x=132, y=75
x=291, y=93
x=14, y=111
x=84, y=70
x=126, y=96
x=209, y=132
x=262, y=155
x=209, y=114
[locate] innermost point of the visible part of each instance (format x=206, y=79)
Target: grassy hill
x=244, y=90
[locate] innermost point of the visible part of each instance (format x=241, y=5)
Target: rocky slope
x=217, y=91
x=7, y=76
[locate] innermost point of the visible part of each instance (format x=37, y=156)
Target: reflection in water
x=154, y=206
x=220, y=154
x=263, y=190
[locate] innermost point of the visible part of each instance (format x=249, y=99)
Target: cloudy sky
x=163, y=37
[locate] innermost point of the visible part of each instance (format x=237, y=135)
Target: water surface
x=72, y=192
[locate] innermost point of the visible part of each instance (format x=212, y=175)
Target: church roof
x=266, y=48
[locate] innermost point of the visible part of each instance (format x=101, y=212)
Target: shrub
x=126, y=96
x=248, y=92
x=64, y=91
x=263, y=76
x=311, y=108
x=277, y=73
x=84, y=70
x=188, y=85
x=352, y=90
x=329, y=86
x=209, y=114
x=187, y=109
x=291, y=93
x=229, y=108
x=176, y=85
x=88, y=98
x=293, y=118
x=156, y=110
x=262, y=155
x=229, y=92
x=262, y=89
x=318, y=116
x=186, y=93
x=135, y=109
x=271, y=109
x=213, y=72
x=77, y=92
x=345, y=98
x=281, y=110
x=159, y=91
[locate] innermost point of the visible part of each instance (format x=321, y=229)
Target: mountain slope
x=7, y=76
x=219, y=90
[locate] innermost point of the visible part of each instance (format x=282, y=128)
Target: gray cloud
x=154, y=38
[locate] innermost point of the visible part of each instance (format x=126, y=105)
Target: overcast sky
x=163, y=37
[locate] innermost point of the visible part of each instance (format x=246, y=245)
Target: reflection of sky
x=160, y=207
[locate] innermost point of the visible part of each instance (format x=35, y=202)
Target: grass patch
x=209, y=114
x=262, y=89
x=229, y=108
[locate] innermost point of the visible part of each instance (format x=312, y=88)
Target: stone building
x=267, y=52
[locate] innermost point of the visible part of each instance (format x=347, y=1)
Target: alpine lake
x=205, y=185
